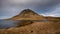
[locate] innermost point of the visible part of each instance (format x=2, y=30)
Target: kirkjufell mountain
x=27, y=14
x=51, y=26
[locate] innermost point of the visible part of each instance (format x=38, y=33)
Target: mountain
x=33, y=27
x=27, y=14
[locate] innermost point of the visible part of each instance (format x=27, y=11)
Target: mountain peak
x=27, y=14
x=28, y=11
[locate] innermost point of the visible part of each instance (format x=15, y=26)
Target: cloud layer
x=11, y=8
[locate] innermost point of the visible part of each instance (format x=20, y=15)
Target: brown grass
x=34, y=28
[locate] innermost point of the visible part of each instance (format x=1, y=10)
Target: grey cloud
x=13, y=8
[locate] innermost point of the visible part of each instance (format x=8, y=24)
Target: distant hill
x=53, y=18
x=27, y=14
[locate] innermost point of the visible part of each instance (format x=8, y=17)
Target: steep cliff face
x=27, y=14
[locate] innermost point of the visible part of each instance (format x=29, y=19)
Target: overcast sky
x=10, y=8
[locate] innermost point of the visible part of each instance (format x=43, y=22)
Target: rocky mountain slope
x=27, y=14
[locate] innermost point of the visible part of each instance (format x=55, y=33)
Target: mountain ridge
x=27, y=14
